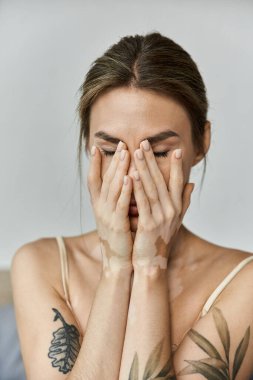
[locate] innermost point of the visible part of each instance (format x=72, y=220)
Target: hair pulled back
x=153, y=62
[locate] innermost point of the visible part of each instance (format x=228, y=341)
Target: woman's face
x=133, y=115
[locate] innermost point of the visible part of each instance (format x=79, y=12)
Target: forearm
x=101, y=350
x=147, y=345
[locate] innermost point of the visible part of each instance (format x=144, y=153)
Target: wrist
x=118, y=269
x=151, y=271
x=149, y=264
x=114, y=264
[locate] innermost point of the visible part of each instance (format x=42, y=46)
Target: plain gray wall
x=46, y=48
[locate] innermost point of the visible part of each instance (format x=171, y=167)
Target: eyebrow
x=152, y=139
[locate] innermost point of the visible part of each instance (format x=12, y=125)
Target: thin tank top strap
x=64, y=268
x=223, y=284
x=65, y=277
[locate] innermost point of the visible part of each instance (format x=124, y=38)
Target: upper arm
x=220, y=344
x=47, y=330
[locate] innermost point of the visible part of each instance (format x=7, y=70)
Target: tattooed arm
x=146, y=352
x=218, y=347
x=220, y=344
x=51, y=345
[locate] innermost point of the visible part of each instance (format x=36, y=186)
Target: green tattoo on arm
x=167, y=372
x=214, y=367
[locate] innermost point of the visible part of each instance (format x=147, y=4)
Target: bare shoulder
x=220, y=262
x=42, y=257
x=241, y=284
x=236, y=266
x=38, y=257
x=39, y=248
x=40, y=310
x=235, y=257
x=222, y=257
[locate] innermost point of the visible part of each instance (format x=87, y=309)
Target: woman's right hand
x=110, y=199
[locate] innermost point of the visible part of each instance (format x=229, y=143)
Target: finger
x=142, y=202
x=122, y=207
x=110, y=173
x=117, y=181
x=189, y=187
x=94, y=174
x=176, y=180
x=158, y=179
x=147, y=182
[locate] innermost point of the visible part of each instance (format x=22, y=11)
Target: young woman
x=140, y=297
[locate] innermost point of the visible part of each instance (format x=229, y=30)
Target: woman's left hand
x=161, y=208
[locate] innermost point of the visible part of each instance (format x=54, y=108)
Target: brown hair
x=152, y=62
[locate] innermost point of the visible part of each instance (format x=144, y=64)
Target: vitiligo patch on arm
x=65, y=345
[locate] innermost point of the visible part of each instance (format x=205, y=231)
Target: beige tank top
x=204, y=310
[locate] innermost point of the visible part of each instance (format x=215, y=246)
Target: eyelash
x=157, y=154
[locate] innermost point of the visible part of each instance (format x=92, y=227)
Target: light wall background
x=46, y=48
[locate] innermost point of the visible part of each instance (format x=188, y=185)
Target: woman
x=146, y=298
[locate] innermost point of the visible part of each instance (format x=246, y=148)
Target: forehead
x=128, y=111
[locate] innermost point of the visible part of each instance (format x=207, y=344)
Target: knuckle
x=160, y=219
x=171, y=212
x=106, y=178
x=118, y=228
x=158, y=178
x=114, y=191
x=150, y=227
x=145, y=203
x=121, y=206
x=153, y=197
x=180, y=181
x=113, y=195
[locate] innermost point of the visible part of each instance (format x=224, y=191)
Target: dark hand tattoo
x=167, y=372
x=65, y=346
x=214, y=367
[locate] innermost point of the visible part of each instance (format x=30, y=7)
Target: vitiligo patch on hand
x=111, y=261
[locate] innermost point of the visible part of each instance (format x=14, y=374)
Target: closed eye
x=157, y=154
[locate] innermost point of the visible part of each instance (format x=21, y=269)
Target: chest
x=186, y=298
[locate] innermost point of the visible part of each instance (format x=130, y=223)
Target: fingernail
x=136, y=175
x=145, y=145
x=193, y=185
x=93, y=150
x=120, y=146
x=139, y=154
x=178, y=153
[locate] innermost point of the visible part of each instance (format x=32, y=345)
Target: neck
x=179, y=245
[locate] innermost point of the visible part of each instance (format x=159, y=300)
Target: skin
x=131, y=115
